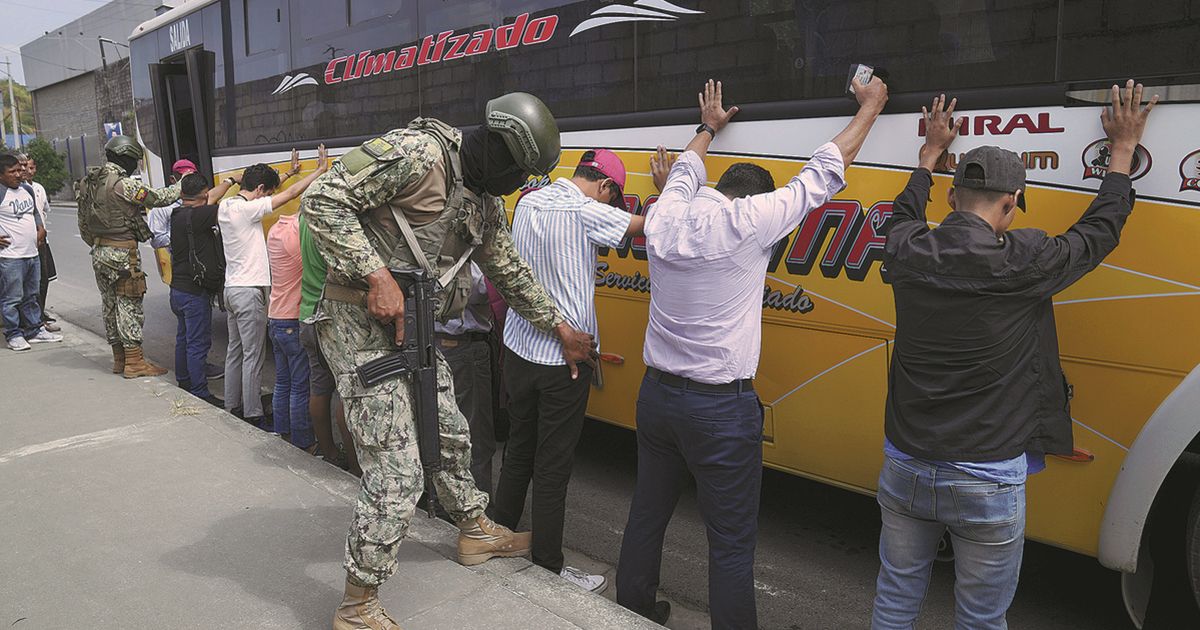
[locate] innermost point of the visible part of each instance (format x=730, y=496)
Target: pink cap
x=183, y=167
x=608, y=163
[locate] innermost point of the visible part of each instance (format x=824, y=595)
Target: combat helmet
x=528, y=129
x=123, y=145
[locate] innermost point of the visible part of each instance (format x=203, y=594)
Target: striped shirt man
x=559, y=230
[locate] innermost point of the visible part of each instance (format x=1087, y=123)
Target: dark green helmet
x=123, y=145
x=528, y=128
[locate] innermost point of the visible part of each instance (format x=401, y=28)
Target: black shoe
x=662, y=612
x=214, y=401
x=237, y=412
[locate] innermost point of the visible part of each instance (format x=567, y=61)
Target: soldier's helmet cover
x=125, y=146
x=528, y=129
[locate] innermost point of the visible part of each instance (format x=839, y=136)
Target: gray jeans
x=470, y=362
x=247, y=317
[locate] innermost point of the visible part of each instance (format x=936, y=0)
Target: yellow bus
x=228, y=83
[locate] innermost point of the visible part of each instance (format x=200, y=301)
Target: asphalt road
x=817, y=549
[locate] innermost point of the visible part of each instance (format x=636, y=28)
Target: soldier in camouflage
x=112, y=208
x=427, y=197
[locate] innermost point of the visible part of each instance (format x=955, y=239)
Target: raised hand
x=711, y=111
x=660, y=167
x=1123, y=121
x=295, y=168
x=322, y=158
x=940, y=131
x=872, y=96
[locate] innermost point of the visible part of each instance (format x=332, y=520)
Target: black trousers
x=546, y=410
x=715, y=439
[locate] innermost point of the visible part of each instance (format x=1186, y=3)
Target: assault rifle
x=415, y=357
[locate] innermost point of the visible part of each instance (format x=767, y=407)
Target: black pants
x=470, y=359
x=717, y=439
x=546, y=410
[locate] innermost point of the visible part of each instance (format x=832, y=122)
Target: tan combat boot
x=479, y=539
x=118, y=358
x=361, y=610
x=136, y=365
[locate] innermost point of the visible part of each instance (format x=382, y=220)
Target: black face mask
x=488, y=166
x=128, y=164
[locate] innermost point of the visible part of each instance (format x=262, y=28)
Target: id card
x=860, y=74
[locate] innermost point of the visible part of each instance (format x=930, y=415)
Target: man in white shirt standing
x=45, y=257
x=248, y=281
x=21, y=232
x=697, y=412
x=557, y=230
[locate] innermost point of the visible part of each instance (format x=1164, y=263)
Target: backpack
x=86, y=191
x=206, y=255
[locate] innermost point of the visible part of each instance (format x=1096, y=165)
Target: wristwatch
x=231, y=181
x=705, y=127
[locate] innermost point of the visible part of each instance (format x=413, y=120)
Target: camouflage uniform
x=381, y=418
x=118, y=268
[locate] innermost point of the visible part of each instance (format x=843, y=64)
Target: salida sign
x=445, y=46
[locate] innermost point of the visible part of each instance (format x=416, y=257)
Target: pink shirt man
x=708, y=262
x=283, y=250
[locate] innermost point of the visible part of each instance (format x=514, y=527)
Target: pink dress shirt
x=708, y=265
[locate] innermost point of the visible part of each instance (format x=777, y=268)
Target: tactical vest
x=108, y=214
x=447, y=241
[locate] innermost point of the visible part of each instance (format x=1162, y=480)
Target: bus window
x=363, y=10
x=264, y=25
x=775, y=51
x=320, y=18
x=367, y=85
x=524, y=46
x=1110, y=40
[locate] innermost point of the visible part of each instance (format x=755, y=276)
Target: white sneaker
x=585, y=581
x=18, y=344
x=45, y=336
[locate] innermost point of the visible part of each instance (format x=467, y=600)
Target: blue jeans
x=717, y=439
x=290, y=403
x=20, y=279
x=193, y=338
x=919, y=502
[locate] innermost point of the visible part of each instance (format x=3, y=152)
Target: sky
x=27, y=20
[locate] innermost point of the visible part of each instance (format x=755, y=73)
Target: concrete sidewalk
x=130, y=504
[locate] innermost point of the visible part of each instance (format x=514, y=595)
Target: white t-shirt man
x=18, y=223
x=41, y=200
x=246, y=261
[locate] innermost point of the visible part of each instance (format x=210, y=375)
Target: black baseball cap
x=992, y=168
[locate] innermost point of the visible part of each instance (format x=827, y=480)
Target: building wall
x=66, y=118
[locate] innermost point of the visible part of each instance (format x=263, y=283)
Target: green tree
x=51, y=169
x=24, y=107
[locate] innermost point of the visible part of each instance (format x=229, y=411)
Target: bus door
x=183, y=95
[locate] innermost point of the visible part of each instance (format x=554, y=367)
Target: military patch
x=378, y=148
x=141, y=194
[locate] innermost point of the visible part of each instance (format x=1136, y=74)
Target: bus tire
x=1192, y=546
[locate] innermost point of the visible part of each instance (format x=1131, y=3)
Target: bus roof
x=185, y=7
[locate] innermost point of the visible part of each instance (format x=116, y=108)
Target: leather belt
x=108, y=242
x=666, y=378
x=453, y=341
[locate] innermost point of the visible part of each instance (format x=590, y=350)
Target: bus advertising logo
x=1097, y=155
x=445, y=46
x=1189, y=170
x=640, y=11
x=290, y=82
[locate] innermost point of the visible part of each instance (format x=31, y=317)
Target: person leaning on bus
x=697, y=410
x=976, y=394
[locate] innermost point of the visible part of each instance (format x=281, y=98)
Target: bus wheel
x=1192, y=542
x=1174, y=538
